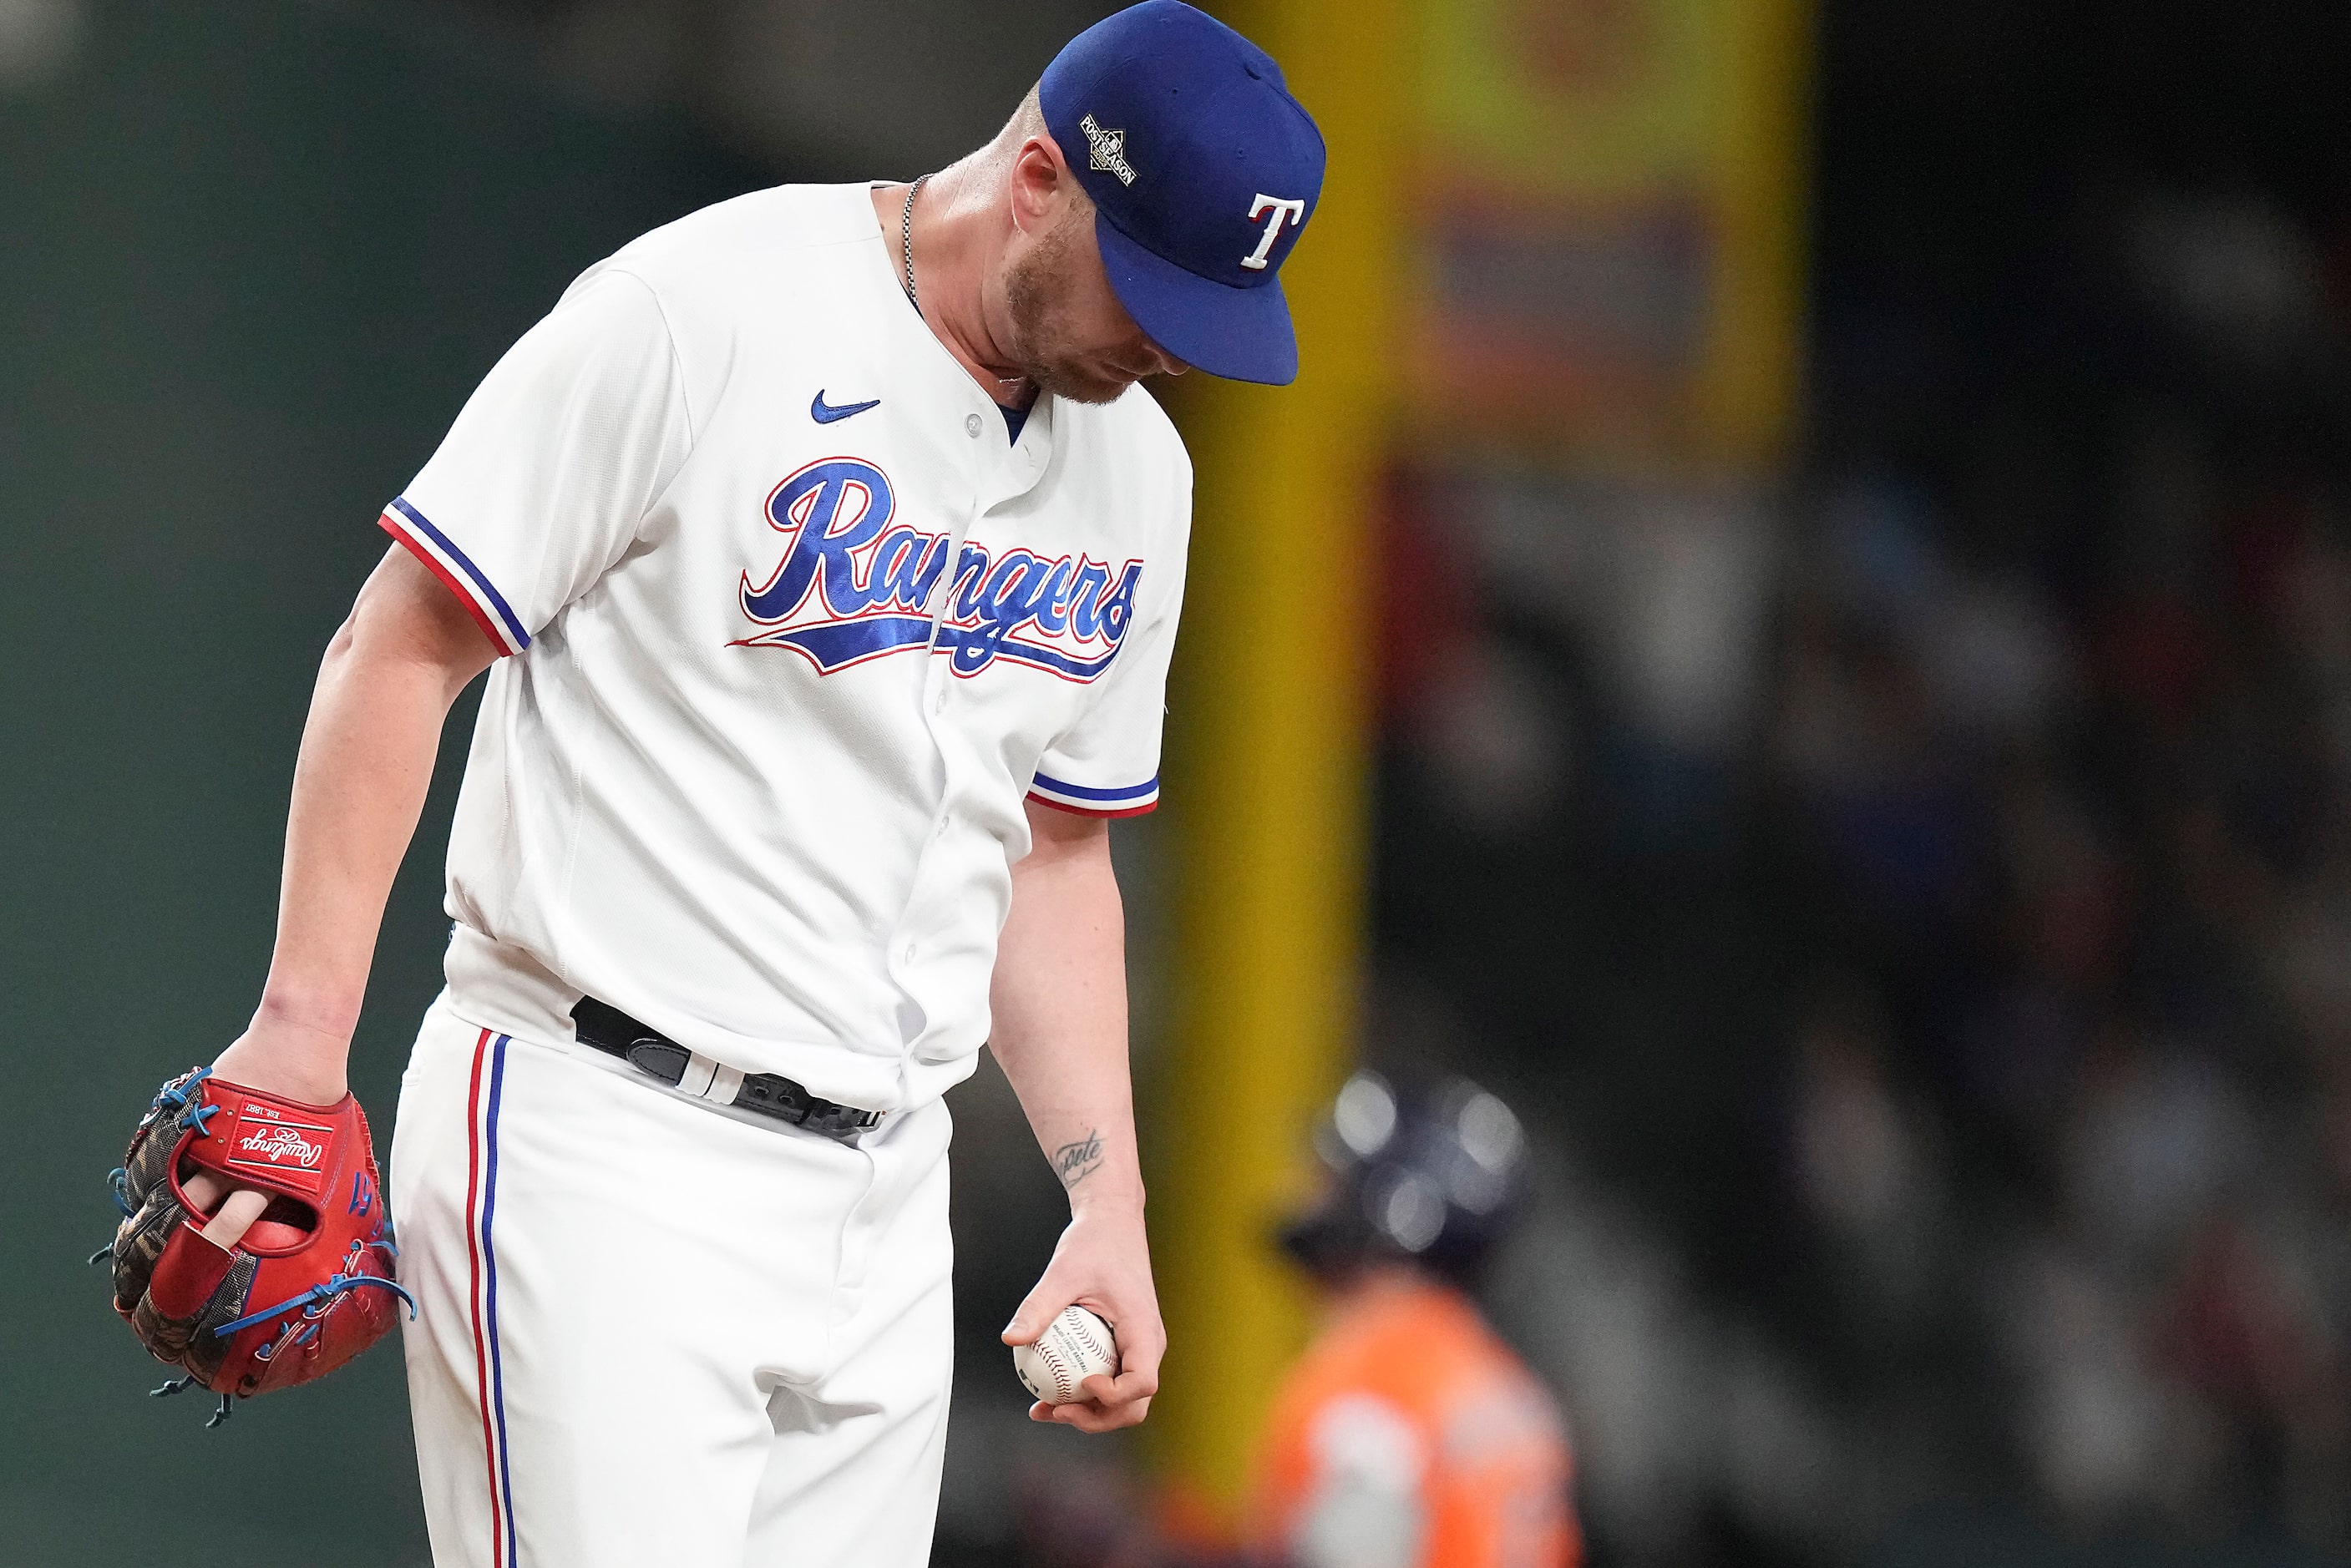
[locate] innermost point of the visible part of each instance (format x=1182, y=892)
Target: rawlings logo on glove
x=277, y=1147
x=320, y=1266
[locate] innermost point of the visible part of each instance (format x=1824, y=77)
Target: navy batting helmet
x=1429, y=1175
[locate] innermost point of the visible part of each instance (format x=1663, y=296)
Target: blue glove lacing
x=334, y=1286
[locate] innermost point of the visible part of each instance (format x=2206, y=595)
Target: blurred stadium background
x=1798, y=625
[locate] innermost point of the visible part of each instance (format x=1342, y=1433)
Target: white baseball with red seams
x=1076, y=1345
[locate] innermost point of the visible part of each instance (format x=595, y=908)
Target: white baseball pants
x=653, y=1332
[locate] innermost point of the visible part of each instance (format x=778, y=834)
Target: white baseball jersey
x=793, y=629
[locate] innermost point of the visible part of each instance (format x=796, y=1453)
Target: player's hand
x=1104, y=1265
x=302, y=1065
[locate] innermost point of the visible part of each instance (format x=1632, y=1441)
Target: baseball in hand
x=1075, y=1346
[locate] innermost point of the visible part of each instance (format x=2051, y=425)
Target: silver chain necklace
x=906, y=259
x=906, y=241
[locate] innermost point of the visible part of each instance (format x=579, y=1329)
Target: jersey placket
x=998, y=477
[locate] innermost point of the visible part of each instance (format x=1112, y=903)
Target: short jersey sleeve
x=1107, y=764
x=552, y=466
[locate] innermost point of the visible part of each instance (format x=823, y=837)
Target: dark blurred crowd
x=2059, y=750
x=2068, y=1115
x=1958, y=850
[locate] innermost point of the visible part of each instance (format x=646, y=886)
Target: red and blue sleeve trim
x=467, y=581
x=1086, y=800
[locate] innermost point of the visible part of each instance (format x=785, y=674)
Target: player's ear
x=1039, y=183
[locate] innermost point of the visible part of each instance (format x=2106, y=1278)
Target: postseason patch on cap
x=1106, y=151
x=1203, y=170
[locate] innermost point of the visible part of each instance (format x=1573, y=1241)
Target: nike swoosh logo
x=825, y=413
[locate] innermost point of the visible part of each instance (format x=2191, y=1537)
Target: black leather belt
x=651, y=1051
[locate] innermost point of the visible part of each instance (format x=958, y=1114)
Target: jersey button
x=971, y=426
x=939, y=702
x=910, y=953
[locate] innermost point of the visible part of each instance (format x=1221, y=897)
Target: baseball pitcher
x=826, y=556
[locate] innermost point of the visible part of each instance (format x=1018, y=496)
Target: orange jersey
x=1409, y=1436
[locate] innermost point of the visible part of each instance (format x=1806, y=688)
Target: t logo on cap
x=1294, y=211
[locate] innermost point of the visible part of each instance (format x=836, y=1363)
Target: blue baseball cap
x=1203, y=172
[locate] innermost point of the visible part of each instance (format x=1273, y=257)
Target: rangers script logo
x=852, y=587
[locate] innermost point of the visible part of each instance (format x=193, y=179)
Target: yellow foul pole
x=1751, y=380
x=1268, y=754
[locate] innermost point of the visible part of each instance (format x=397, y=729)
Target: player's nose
x=1163, y=363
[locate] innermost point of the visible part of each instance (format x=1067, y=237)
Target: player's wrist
x=285, y=1054
x=303, y=1019
x=1106, y=1198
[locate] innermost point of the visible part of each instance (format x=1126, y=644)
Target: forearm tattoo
x=1073, y=1162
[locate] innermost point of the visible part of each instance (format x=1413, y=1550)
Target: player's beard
x=1036, y=293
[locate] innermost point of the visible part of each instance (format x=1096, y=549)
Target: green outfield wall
x=252, y=259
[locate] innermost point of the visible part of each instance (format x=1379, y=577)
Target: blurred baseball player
x=830, y=558
x=1408, y=1436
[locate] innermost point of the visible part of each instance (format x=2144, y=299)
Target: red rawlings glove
x=306, y=1288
